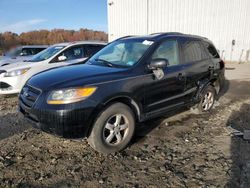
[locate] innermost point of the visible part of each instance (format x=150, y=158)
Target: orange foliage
x=9, y=39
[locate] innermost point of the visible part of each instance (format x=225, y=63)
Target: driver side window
x=167, y=50
x=71, y=54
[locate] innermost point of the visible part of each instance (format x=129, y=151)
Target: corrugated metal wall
x=219, y=20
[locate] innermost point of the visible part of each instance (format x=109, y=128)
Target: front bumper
x=69, y=121
x=11, y=85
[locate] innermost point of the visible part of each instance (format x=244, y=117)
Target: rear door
x=196, y=63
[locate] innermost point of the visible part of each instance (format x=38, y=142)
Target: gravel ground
x=185, y=150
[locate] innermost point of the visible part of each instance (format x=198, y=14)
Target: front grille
x=29, y=95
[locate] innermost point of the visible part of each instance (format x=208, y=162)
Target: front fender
x=127, y=99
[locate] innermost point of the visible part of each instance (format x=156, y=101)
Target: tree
x=9, y=39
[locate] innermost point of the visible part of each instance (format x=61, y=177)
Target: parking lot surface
x=184, y=150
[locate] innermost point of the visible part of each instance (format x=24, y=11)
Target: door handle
x=211, y=68
x=181, y=76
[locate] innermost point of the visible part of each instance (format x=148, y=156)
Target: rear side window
x=211, y=50
x=168, y=50
x=92, y=49
x=193, y=51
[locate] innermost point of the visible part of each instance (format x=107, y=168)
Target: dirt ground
x=185, y=150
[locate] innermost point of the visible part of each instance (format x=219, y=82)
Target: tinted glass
x=92, y=49
x=193, y=51
x=168, y=50
x=122, y=53
x=37, y=50
x=211, y=49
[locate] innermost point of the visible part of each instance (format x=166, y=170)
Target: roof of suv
x=158, y=36
x=80, y=42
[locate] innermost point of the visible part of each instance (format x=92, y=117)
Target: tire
x=222, y=82
x=207, y=99
x=113, y=129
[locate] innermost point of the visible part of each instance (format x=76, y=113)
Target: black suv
x=131, y=80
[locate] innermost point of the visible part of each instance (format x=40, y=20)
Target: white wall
x=219, y=20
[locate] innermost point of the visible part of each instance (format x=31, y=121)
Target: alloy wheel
x=116, y=129
x=207, y=101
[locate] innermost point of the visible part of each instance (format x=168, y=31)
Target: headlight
x=66, y=96
x=17, y=72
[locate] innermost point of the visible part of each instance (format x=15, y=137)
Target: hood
x=73, y=76
x=17, y=65
x=6, y=60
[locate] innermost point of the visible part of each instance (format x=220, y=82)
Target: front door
x=168, y=92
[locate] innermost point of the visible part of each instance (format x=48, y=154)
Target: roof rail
x=125, y=37
x=197, y=36
x=167, y=33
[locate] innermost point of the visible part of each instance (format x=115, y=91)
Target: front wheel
x=207, y=99
x=113, y=129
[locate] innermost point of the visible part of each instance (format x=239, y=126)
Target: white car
x=14, y=76
x=21, y=53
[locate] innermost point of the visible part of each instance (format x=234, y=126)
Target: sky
x=26, y=15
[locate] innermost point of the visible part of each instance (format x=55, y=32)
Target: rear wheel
x=113, y=129
x=207, y=99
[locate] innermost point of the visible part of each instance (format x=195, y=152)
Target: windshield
x=46, y=54
x=123, y=53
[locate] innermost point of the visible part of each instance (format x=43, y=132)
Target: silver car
x=14, y=76
x=21, y=53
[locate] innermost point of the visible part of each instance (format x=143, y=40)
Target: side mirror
x=21, y=54
x=62, y=58
x=158, y=64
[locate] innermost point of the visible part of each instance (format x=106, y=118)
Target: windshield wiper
x=105, y=62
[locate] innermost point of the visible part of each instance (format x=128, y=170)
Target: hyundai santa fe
x=14, y=76
x=131, y=80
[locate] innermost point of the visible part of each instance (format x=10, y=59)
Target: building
x=225, y=22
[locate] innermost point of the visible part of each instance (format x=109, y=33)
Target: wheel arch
x=216, y=84
x=203, y=84
x=127, y=100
